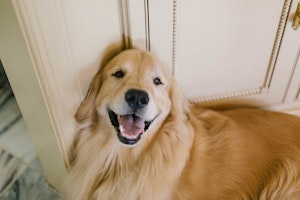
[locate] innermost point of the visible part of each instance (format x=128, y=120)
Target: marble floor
x=21, y=174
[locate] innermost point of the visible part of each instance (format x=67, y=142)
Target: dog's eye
x=119, y=74
x=157, y=81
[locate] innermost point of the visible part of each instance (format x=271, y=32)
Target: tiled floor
x=21, y=174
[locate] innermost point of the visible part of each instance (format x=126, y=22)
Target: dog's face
x=132, y=92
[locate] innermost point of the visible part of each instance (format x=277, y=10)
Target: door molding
x=41, y=52
x=272, y=61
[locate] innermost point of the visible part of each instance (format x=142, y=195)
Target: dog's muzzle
x=130, y=127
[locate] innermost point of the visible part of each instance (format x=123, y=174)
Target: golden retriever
x=141, y=139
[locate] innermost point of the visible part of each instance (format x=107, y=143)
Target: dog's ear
x=86, y=113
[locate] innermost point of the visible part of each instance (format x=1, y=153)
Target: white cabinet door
x=227, y=49
x=66, y=41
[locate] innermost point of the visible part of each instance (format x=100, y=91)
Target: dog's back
x=243, y=154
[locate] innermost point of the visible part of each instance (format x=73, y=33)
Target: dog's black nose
x=136, y=99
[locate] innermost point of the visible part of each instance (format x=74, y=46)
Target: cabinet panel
x=223, y=49
x=225, y=45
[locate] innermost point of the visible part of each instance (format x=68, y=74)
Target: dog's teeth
x=124, y=134
x=128, y=136
x=121, y=129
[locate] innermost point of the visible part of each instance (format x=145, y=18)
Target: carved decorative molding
x=271, y=66
x=278, y=39
x=175, y=34
x=231, y=95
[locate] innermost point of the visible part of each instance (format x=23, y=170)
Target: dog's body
x=141, y=139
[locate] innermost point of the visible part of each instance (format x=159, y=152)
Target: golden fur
x=187, y=153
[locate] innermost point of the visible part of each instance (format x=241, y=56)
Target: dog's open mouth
x=129, y=127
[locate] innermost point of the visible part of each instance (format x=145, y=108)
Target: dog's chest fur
x=130, y=173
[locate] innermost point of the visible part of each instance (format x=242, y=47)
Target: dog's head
x=134, y=92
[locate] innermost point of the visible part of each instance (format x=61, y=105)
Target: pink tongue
x=132, y=126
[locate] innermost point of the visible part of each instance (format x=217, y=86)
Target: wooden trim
x=34, y=103
x=43, y=64
x=232, y=95
x=277, y=43
x=175, y=34
x=125, y=23
x=264, y=88
x=296, y=70
x=147, y=24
